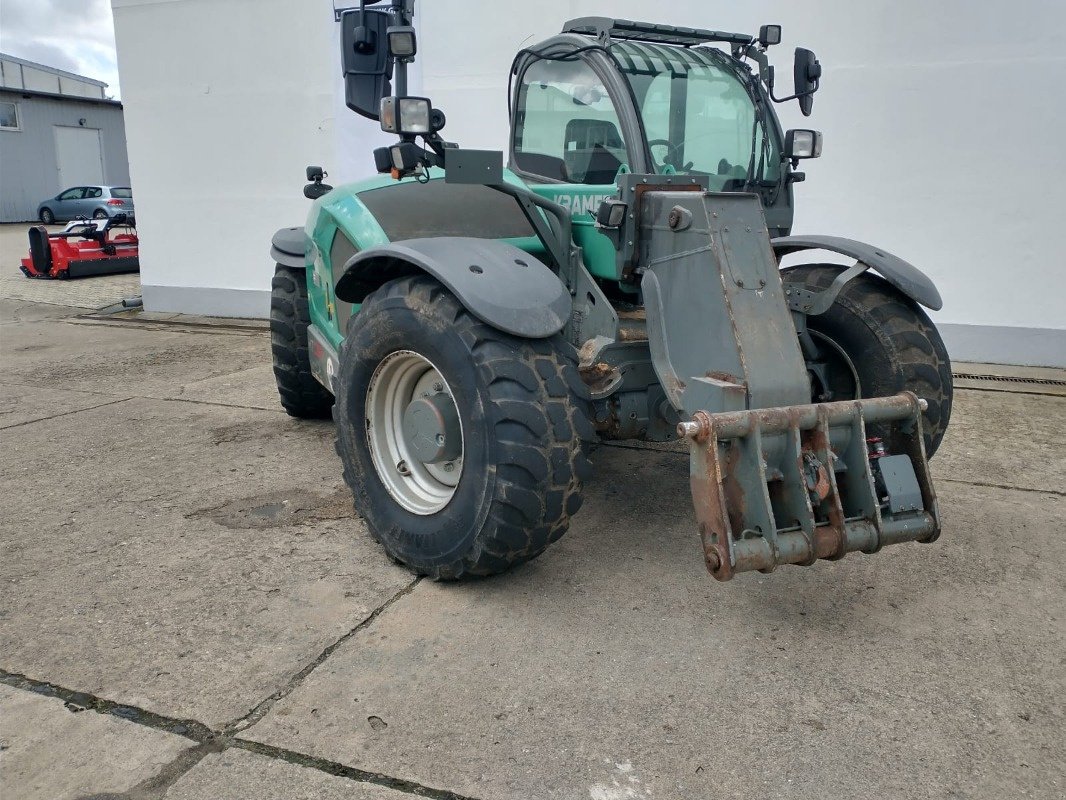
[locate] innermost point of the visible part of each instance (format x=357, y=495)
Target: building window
x=9, y=116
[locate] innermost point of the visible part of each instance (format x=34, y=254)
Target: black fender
x=906, y=277
x=289, y=247
x=499, y=284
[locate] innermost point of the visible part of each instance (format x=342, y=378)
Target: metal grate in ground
x=970, y=376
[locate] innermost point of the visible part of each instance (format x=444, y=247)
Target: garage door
x=79, y=156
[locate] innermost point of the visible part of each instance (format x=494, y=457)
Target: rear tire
x=99, y=214
x=888, y=344
x=524, y=432
x=301, y=394
x=47, y=217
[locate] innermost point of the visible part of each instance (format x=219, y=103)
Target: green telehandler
x=473, y=328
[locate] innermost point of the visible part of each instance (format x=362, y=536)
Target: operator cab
x=612, y=96
x=698, y=114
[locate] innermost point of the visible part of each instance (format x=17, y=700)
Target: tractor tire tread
x=541, y=434
x=301, y=394
x=905, y=331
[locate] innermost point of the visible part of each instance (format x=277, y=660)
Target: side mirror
x=316, y=188
x=366, y=60
x=807, y=72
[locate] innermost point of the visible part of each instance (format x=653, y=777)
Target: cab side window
x=566, y=127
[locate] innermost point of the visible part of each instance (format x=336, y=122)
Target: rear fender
x=499, y=284
x=904, y=276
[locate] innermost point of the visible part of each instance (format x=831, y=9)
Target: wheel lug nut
x=449, y=466
x=403, y=469
x=440, y=439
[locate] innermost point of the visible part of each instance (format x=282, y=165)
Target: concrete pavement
x=190, y=609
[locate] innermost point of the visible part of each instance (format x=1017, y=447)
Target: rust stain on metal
x=708, y=500
x=635, y=334
x=821, y=486
x=597, y=376
x=736, y=499
x=817, y=439
x=588, y=349
x=725, y=377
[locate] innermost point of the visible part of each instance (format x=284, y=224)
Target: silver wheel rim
x=420, y=488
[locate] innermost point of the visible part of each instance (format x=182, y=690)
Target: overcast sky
x=75, y=35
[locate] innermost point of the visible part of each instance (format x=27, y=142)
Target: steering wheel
x=672, y=151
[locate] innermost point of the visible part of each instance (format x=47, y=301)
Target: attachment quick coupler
x=795, y=484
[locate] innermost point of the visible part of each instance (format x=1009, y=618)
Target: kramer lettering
x=581, y=203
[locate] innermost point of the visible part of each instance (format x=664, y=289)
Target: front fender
x=499, y=284
x=288, y=247
x=904, y=276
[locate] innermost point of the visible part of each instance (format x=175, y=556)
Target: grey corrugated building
x=57, y=130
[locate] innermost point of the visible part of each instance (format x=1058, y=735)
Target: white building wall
x=940, y=120
x=226, y=102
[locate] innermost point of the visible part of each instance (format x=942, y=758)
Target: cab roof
x=609, y=29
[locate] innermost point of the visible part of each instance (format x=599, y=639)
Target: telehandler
x=473, y=328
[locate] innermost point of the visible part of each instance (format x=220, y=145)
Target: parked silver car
x=91, y=202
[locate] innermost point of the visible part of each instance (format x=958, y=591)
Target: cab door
x=574, y=130
x=572, y=124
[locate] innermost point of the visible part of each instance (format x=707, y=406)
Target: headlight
x=402, y=43
x=408, y=115
x=405, y=156
x=611, y=213
x=802, y=143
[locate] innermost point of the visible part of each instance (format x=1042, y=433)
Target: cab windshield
x=699, y=116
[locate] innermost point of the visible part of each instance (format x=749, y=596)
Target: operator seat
x=587, y=148
x=603, y=166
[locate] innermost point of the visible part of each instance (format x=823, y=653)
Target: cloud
x=74, y=35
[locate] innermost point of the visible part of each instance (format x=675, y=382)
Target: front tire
x=876, y=342
x=301, y=394
x=524, y=428
x=47, y=217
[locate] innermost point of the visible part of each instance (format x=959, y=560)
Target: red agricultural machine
x=83, y=248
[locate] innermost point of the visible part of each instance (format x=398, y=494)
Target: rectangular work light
x=769, y=35
x=802, y=143
x=402, y=42
x=405, y=156
x=611, y=213
x=405, y=114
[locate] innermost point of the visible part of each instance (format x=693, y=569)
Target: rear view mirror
x=365, y=56
x=807, y=72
